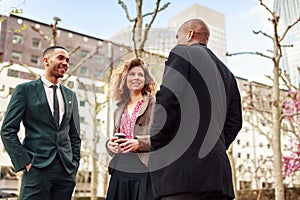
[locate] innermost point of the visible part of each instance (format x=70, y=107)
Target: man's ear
x=45, y=60
x=189, y=36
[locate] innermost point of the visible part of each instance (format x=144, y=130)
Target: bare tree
x=140, y=33
x=276, y=103
x=53, y=39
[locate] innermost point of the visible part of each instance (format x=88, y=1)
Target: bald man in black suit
x=197, y=116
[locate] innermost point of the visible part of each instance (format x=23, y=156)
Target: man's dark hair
x=52, y=48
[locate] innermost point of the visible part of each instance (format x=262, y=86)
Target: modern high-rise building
x=289, y=12
x=215, y=21
x=162, y=40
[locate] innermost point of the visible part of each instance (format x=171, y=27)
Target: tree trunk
x=139, y=27
x=94, y=178
x=232, y=163
x=109, y=112
x=276, y=127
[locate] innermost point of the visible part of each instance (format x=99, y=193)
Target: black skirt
x=126, y=184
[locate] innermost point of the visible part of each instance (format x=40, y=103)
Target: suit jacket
x=44, y=140
x=141, y=127
x=201, y=117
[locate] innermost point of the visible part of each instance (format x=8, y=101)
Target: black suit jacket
x=43, y=138
x=197, y=116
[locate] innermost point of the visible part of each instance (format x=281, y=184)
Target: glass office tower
x=289, y=12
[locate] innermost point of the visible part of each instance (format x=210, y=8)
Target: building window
x=266, y=185
x=34, y=59
x=84, y=87
x=16, y=56
x=71, y=65
x=70, y=84
x=238, y=141
x=98, y=74
x=99, y=59
x=239, y=155
x=36, y=42
x=82, y=119
x=13, y=73
x=82, y=103
x=29, y=76
x=245, y=185
x=84, y=53
x=69, y=49
x=248, y=156
x=8, y=173
x=99, y=90
x=83, y=71
x=17, y=39
x=10, y=91
x=80, y=86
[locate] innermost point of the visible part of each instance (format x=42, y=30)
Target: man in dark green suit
x=49, y=155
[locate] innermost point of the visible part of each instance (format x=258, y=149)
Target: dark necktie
x=55, y=105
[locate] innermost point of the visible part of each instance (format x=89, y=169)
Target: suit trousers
x=195, y=196
x=49, y=183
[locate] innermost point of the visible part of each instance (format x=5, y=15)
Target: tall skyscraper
x=289, y=12
x=216, y=22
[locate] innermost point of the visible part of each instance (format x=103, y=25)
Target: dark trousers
x=200, y=196
x=49, y=183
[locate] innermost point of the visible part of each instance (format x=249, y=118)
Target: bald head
x=193, y=31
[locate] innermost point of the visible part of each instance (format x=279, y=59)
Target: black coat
x=196, y=118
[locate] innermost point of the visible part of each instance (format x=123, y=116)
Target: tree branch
x=42, y=34
x=74, y=50
x=287, y=80
x=91, y=54
x=6, y=66
x=288, y=28
x=123, y=5
x=148, y=26
x=265, y=34
x=31, y=71
x=289, y=115
x=262, y=132
x=257, y=110
x=133, y=38
x=159, y=10
x=255, y=53
x=264, y=5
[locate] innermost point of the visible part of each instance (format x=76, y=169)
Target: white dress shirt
x=49, y=94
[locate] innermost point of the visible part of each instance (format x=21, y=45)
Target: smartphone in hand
x=120, y=136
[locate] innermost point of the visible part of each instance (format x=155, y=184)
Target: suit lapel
x=118, y=114
x=41, y=94
x=144, y=106
x=68, y=102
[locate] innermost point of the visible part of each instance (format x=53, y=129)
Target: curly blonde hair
x=120, y=91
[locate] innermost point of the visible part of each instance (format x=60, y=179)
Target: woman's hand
x=128, y=145
x=113, y=145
